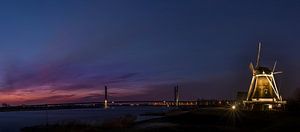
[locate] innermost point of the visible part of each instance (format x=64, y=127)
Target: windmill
x=263, y=91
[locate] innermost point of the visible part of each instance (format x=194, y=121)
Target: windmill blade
x=251, y=67
x=258, y=55
x=274, y=66
x=278, y=72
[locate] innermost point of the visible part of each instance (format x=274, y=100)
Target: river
x=15, y=120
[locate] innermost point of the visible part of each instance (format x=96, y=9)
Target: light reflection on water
x=15, y=120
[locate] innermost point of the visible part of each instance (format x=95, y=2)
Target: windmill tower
x=105, y=98
x=176, y=95
x=263, y=93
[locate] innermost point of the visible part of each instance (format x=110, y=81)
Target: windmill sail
x=258, y=55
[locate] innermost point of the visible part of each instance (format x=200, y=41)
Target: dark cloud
x=92, y=98
x=50, y=99
x=128, y=75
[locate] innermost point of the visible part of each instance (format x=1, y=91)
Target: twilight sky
x=56, y=51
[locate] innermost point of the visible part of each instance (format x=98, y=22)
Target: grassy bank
x=196, y=120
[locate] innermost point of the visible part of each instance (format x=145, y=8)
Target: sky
x=60, y=51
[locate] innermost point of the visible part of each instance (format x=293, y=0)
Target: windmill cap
x=260, y=70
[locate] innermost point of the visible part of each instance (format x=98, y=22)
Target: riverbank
x=216, y=119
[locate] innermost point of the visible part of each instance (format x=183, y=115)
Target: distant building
x=240, y=96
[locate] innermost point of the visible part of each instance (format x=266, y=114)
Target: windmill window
x=266, y=91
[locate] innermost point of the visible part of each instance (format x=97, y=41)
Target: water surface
x=15, y=120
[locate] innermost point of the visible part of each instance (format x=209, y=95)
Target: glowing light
x=233, y=107
x=270, y=106
x=105, y=104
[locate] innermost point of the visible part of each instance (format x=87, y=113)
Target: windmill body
x=263, y=92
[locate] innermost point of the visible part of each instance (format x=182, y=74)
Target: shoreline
x=194, y=120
